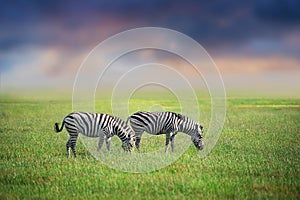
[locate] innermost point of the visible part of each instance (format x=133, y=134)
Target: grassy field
x=256, y=156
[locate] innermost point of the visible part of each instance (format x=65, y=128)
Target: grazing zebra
x=96, y=125
x=168, y=123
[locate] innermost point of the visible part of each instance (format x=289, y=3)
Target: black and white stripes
x=96, y=125
x=106, y=126
x=168, y=123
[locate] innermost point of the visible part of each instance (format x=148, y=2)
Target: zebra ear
x=201, y=127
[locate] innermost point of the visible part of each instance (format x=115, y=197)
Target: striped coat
x=168, y=123
x=96, y=125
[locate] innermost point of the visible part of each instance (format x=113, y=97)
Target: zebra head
x=197, y=138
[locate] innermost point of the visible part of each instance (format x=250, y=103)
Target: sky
x=254, y=44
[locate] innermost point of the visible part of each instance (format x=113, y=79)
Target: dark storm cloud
x=50, y=38
x=278, y=11
x=212, y=23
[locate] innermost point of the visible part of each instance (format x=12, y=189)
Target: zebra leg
x=68, y=146
x=167, y=141
x=73, y=140
x=137, y=143
x=108, y=143
x=138, y=140
x=101, y=140
x=172, y=142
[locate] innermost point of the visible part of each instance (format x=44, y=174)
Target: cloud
x=257, y=65
x=278, y=11
x=211, y=23
x=50, y=39
x=34, y=69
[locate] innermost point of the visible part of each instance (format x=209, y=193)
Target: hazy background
x=255, y=44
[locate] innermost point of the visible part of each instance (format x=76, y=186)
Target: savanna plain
x=256, y=155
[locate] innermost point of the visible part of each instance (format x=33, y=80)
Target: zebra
x=168, y=123
x=96, y=125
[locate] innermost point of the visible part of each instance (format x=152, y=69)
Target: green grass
x=257, y=155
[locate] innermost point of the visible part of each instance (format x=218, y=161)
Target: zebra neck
x=187, y=126
x=187, y=131
x=121, y=133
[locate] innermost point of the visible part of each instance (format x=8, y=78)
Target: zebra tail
x=57, y=129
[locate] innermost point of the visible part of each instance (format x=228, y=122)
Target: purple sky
x=255, y=44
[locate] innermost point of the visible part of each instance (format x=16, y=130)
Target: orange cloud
x=250, y=64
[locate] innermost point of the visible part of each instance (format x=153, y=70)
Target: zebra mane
x=187, y=125
x=123, y=126
x=179, y=116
